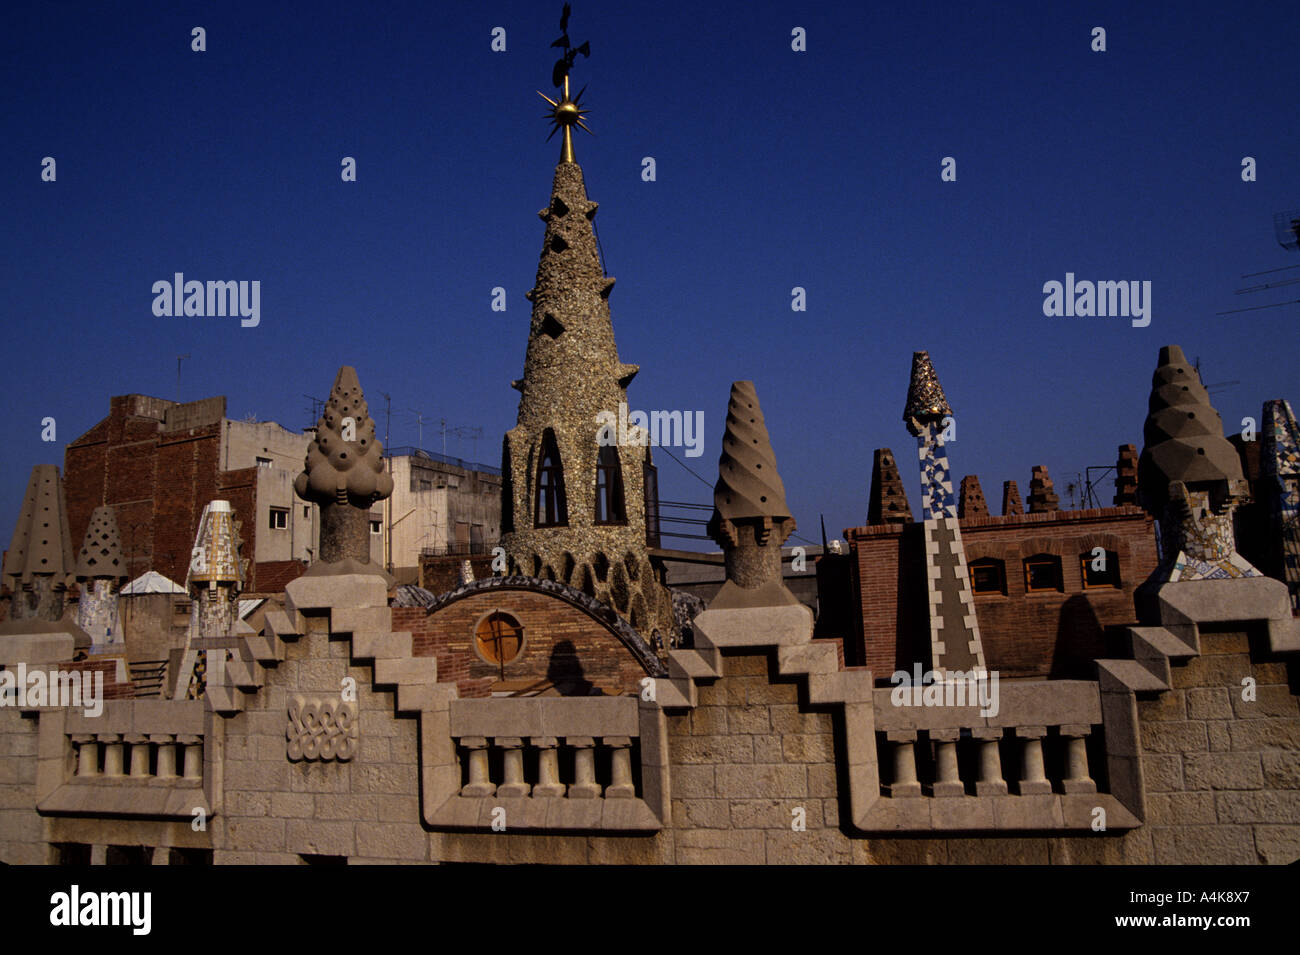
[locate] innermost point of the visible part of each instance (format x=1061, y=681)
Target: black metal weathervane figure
x=566, y=113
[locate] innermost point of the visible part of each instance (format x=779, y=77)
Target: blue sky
x=775, y=169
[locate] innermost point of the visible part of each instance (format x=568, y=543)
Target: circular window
x=498, y=638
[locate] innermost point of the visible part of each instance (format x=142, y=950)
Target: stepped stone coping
x=39, y=642
x=598, y=611
x=756, y=626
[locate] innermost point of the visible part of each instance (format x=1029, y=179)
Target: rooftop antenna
x=1218, y=385
x=473, y=434
x=314, y=409
x=1286, y=228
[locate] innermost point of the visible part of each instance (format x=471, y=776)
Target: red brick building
x=158, y=463
x=1043, y=600
x=520, y=636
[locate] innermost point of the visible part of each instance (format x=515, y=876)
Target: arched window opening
x=610, y=508
x=552, y=508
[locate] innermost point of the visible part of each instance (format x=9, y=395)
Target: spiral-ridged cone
x=748, y=483
x=101, y=548
x=925, y=398
x=1183, y=434
x=345, y=463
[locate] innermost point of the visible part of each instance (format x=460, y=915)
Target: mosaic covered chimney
x=1126, y=475
x=1280, y=474
x=38, y=565
x=215, y=579
x=971, y=502
x=574, y=465
x=101, y=572
x=1189, y=477
x=954, y=645
x=217, y=572
x=888, y=501
x=1011, y=503
x=750, y=519
x=344, y=475
x=1042, y=492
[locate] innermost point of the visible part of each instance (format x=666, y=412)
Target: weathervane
x=566, y=113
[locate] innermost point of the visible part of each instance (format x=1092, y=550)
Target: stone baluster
x=948, y=781
x=479, y=784
x=193, y=765
x=87, y=754
x=548, y=767
x=514, y=784
x=620, y=786
x=584, y=768
x=166, y=744
x=904, y=752
x=990, y=782
x=139, y=744
x=113, y=762
x=1033, y=777
x=1077, y=779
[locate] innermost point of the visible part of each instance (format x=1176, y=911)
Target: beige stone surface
x=1223, y=771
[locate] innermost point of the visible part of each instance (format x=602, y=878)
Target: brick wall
x=159, y=481
x=562, y=644
x=108, y=666
x=1037, y=635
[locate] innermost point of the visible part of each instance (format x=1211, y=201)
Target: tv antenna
x=1286, y=227
x=1218, y=385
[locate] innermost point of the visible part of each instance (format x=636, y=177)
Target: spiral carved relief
x=322, y=728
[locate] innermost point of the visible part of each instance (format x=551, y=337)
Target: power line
x=697, y=477
x=708, y=485
x=1256, y=308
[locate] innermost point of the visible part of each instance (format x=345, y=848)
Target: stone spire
x=1011, y=503
x=1189, y=476
x=38, y=565
x=888, y=501
x=1042, y=492
x=1126, y=476
x=581, y=519
x=971, y=503
x=344, y=474
x=751, y=519
x=101, y=571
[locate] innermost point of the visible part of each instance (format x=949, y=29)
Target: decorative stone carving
x=38, y=564
x=344, y=474
x=750, y=519
x=1190, y=478
x=322, y=728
